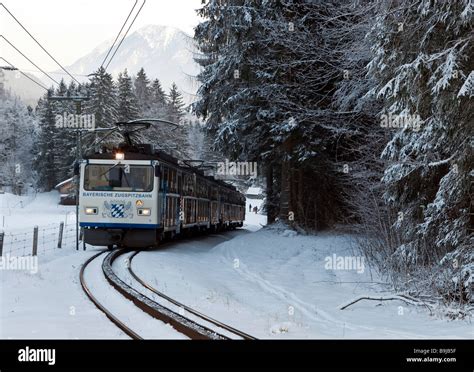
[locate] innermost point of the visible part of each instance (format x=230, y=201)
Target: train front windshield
x=103, y=177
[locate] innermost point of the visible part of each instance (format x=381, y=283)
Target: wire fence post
x=35, y=241
x=60, y=237
x=83, y=240
x=2, y=235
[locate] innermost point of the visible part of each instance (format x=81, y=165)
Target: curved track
x=204, y=317
x=102, y=308
x=182, y=324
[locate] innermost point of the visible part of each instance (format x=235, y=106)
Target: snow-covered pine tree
x=423, y=60
x=64, y=139
x=17, y=125
x=175, y=104
x=230, y=102
x=103, y=104
x=200, y=142
x=158, y=101
x=224, y=38
x=128, y=107
x=3, y=92
x=44, y=160
x=143, y=91
x=175, y=140
x=269, y=74
x=360, y=164
x=159, y=134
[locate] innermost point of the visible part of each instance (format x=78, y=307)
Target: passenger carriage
x=134, y=196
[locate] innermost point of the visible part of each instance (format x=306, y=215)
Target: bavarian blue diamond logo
x=117, y=210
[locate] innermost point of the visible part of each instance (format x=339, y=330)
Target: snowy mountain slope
x=21, y=86
x=164, y=52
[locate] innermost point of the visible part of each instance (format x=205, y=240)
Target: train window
x=202, y=188
x=104, y=177
x=215, y=193
x=170, y=180
x=188, y=184
x=185, y=184
x=164, y=179
x=173, y=181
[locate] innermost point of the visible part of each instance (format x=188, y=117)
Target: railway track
x=204, y=317
x=101, y=307
x=180, y=323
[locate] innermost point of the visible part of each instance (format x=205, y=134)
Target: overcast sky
x=69, y=29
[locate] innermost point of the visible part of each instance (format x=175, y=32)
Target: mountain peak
x=158, y=35
x=163, y=51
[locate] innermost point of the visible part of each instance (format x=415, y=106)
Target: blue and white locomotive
x=134, y=196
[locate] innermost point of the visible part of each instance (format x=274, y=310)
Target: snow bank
x=275, y=284
x=25, y=212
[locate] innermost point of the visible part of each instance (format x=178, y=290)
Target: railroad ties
x=154, y=309
x=180, y=323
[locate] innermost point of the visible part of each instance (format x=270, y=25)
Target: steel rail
x=102, y=308
x=185, y=307
x=180, y=323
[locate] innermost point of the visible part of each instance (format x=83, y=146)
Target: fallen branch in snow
x=396, y=297
x=429, y=301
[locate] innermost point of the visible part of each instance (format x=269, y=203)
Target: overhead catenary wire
x=118, y=35
x=25, y=75
x=126, y=33
x=39, y=44
x=29, y=60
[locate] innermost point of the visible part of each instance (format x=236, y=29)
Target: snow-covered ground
x=50, y=303
x=269, y=282
x=274, y=284
x=20, y=212
x=254, y=221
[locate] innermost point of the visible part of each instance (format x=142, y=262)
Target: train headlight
x=144, y=211
x=119, y=156
x=91, y=210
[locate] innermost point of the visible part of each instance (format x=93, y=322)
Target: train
x=134, y=196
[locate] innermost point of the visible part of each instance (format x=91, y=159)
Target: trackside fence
x=38, y=240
